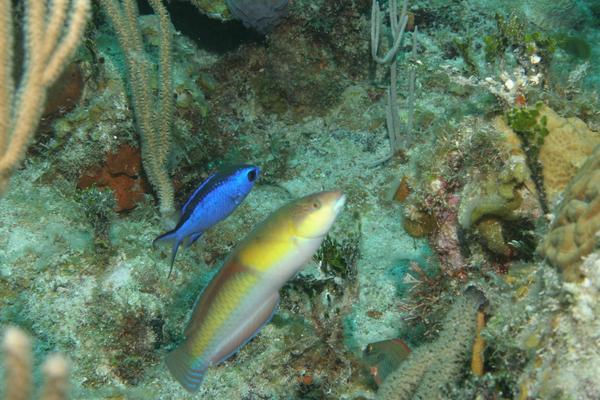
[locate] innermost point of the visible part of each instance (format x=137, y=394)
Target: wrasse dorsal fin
x=204, y=300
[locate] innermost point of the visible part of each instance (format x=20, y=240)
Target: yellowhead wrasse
x=244, y=294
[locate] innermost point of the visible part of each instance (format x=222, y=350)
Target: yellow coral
x=568, y=144
x=575, y=231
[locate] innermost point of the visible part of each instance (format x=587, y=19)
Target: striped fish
x=244, y=294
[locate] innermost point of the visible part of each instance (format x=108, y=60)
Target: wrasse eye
x=252, y=175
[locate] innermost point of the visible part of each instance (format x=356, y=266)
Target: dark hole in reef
x=208, y=33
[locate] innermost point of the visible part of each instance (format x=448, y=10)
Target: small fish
x=216, y=198
x=244, y=294
x=384, y=357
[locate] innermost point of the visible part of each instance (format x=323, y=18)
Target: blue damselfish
x=216, y=198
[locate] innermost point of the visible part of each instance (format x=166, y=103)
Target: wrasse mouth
x=339, y=204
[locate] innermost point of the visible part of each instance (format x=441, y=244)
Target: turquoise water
x=468, y=159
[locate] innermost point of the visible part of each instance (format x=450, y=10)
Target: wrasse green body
x=243, y=296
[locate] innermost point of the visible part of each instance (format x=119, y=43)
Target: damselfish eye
x=252, y=175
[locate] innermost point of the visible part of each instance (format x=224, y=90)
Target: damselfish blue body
x=216, y=198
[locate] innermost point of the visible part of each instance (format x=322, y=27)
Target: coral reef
x=306, y=103
x=574, y=233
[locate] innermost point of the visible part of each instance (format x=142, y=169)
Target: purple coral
x=262, y=15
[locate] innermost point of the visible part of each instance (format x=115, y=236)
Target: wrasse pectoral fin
x=248, y=328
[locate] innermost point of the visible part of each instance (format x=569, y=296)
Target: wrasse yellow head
x=314, y=214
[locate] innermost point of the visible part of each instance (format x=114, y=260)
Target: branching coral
x=51, y=39
x=432, y=366
x=155, y=127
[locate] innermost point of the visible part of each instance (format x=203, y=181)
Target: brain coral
x=261, y=15
x=575, y=232
x=568, y=144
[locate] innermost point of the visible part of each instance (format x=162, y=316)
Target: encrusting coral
x=18, y=385
x=430, y=367
x=575, y=231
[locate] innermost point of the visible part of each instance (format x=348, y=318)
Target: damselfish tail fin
x=186, y=369
x=172, y=237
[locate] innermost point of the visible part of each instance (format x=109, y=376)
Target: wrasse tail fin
x=170, y=236
x=186, y=369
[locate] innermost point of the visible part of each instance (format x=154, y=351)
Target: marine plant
x=99, y=206
x=338, y=258
x=464, y=49
x=531, y=128
x=574, y=45
x=512, y=33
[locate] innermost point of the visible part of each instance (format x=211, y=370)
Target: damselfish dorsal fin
x=193, y=198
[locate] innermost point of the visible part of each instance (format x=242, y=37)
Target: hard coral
x=567, y=145
x=575, y=231
x=499, y=202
